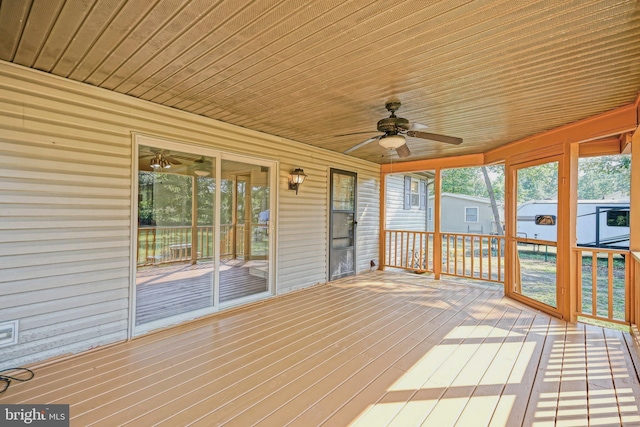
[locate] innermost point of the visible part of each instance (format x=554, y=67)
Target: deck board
x=378, y=349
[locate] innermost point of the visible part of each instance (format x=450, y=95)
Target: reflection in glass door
x=342, y=242
x=175, y=250
x=535, y=242
x=244, y=230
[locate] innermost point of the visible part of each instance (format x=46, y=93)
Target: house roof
x=469, y=198
x=489, y=72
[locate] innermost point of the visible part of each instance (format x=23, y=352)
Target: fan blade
x=435, y=137
x=173, y=160
x=403, y=151
x=362, y=144
x=413, y=126
x=355, y=133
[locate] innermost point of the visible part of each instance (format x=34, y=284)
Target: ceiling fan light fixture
x=392, y=141
x=155, y=162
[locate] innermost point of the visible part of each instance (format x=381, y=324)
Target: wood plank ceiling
x=490, y=72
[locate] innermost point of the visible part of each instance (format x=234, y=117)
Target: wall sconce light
x=296, y=179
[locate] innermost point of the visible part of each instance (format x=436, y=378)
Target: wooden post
x=383, y=238
x=194, y=220
x=569, y=276
x=437, y=237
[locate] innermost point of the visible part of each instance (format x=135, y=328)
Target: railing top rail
x=496, y=236
x=602, y=250
x=172, y=227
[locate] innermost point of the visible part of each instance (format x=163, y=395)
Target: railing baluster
x=455, y=254
x=481, y=257
x=610, y=283
x=579, y=280
x=464, y=256
x=594, y=283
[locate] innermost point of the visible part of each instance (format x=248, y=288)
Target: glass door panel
x=343, y=224
x=175, y=250
x=244, y=231
x=535, y=262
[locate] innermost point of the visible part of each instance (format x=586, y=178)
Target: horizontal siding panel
x=49, y=150
x=45, y=283
x=44, y=198
x=32, y=336
x=49, y=246
x=62, y=257
x=91, y=191
x=29, y=310
x=36, y=223
x=62, y=211
x=53, y=270
x=44, y=235
x=12, y=171
x=69, y=314
x=66, y=343
x=66, y=138
x=62, y=292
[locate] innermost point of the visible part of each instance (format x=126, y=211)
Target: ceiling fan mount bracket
x=392, y=106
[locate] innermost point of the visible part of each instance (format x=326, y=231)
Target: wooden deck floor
x=381, y=349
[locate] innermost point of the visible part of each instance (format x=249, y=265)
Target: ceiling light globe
x=392, y=141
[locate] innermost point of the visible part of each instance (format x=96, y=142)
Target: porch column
x=633, y=302
x=382, y=252
x=437, y=237
x=194, y=220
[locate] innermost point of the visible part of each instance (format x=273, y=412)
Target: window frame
x=466, y=216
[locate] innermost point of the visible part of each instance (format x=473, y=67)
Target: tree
x=599, y=177
x=492, y=199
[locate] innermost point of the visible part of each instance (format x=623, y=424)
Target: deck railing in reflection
x=157, y=245
x=603, y=284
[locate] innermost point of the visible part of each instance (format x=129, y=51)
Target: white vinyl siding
x=65, y=207
x=398, y=218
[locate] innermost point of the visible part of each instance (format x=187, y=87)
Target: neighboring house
x=406, y=201
x=465, y=214
x=410, y=203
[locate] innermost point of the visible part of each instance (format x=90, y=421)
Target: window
x=471, y=214
x=415, y=193
x=545, y=220
x=617, y=218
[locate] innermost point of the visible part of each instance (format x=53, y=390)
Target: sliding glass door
x=245, y=209
x=204, y=232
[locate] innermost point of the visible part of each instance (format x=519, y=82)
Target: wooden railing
x=603, y=284
x=473, y=256
x=157, y=245
x=410, y=250
x=634, y=291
